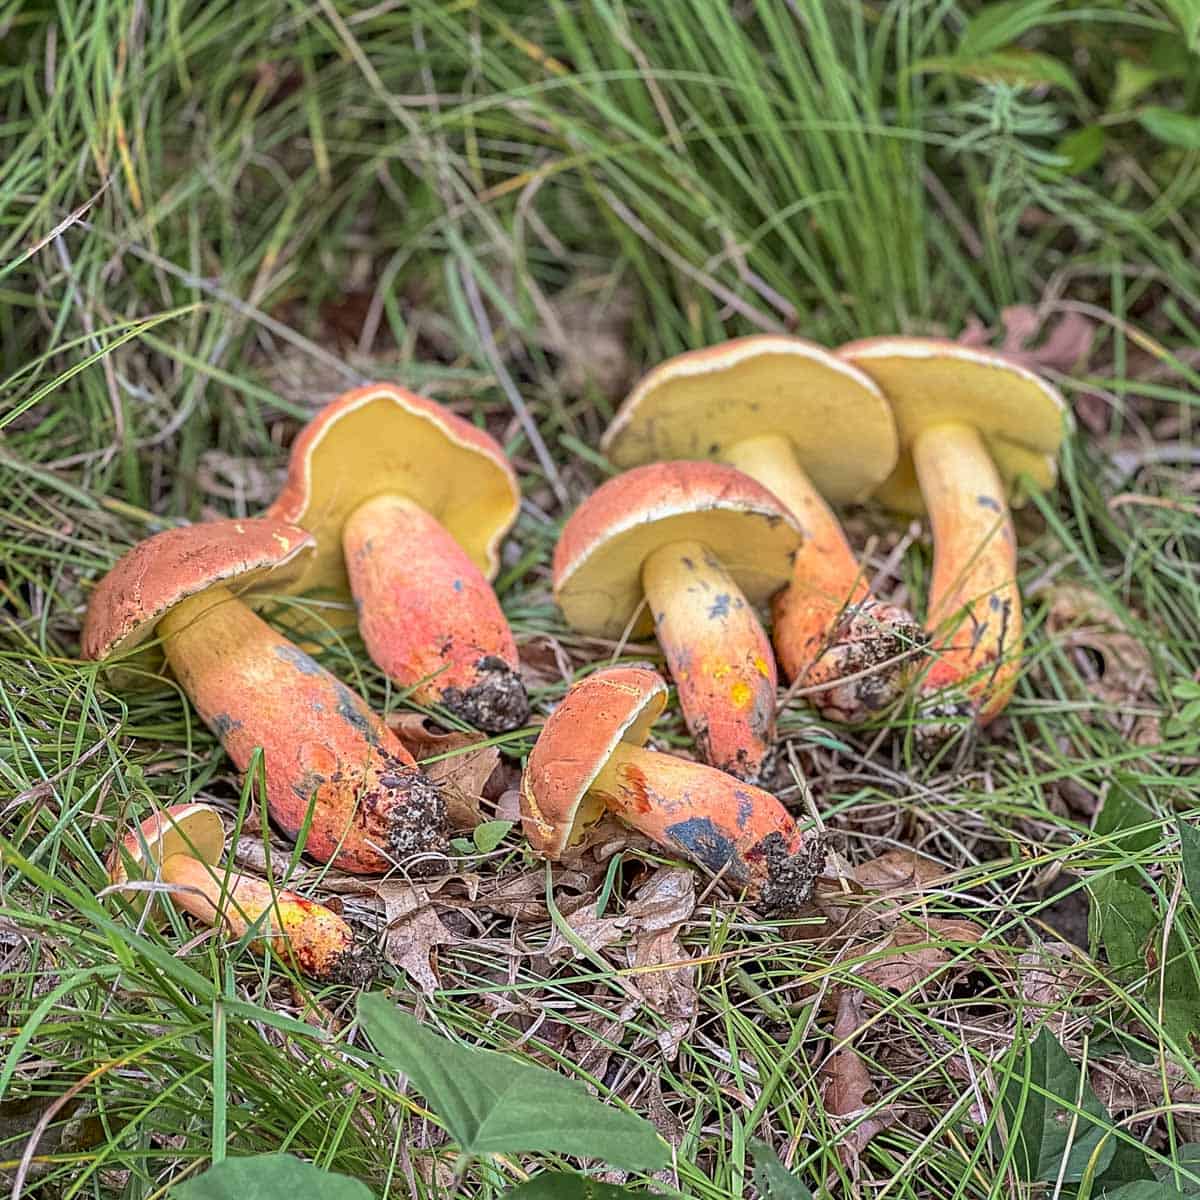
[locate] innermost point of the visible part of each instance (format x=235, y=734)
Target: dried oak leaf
x=1115, y=666
x=1066, y=348
x=846, y=1087
x=458, y=761
x=589, y=930
x=413, y=932
x=914, y=954
x=898, y=871
x=662, y=905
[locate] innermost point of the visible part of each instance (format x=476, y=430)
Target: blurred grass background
x=214, y=216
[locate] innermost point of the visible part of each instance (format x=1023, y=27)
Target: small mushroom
x=183, y=846
x=334, y=770
x=409, y=504
x=971, y=423
x=814, y=431
x=702, y=544
x=590, y=757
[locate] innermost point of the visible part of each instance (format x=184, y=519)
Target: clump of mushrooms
x=815, y=431
x=590, y=757
x=702, y=544
x=409, y=504
x=971, y=422
x=183, y=847
x=333, y=768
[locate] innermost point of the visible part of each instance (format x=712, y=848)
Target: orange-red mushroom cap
x=383, y=439
x=933, y=381
x=598, y=559
x=699, y=404
x=599, y=712
x=255, y=555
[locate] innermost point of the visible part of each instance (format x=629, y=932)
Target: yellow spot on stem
x=760, y=665
x=740, y=694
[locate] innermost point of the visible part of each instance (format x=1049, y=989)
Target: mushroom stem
x=974, y=604
x=827, y=625
x=308, y=935
x=325, y=750
x=428, y=616
x=727, y=825
x=719, y=654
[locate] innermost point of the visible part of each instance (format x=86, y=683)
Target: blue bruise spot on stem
x=988, y=502
x=350, y=710
x=458, y=585
x=298, y=659
x=720, y=607
x=223, y=725
x=745, y=808
x=704, y=842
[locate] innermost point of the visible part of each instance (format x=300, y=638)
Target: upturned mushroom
x=590, y=757
x=701, y=544
x=971, y=423
x=815, y=431
x=333, y=768
x=409, y=504
x=183, y=847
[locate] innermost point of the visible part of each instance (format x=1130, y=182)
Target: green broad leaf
x=1016, y=67
x=269, y=1177
x=1171, y=127
x=490, y=834
x=1121, y=920
x=1052, y=1113
x=1189, y=845
x=1142, y=1189
x=772, y=1179
x=1082, y=149
x=568, y=1185
x=1132, y=79
x=1187, y=1159
x=996, y=25
x=1187, y=16
x=1128, y=1165
x=492, y=1104
x=1180, y=989
x=1128, y=828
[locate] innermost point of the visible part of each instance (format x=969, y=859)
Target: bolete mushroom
x=815, y=431
x=333, y=768
x=702, y=544
x=591, y=757
x=971, y=423
x=183, y=847
x=409, y=504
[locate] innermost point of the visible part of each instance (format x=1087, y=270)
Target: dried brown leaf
x=589, y=331
x=1066, y=348
x=662, y=904
x=846, y=1088
x=898, y=871
x=458, y=761
x=913, y=958
x=413, y=932
x=846, y=1080
x=1116, y=668
x=592, y=931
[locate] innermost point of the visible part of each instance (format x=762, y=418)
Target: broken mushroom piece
x=971, y=422
x=815, y=431
x=702, y=544
x=409, y=504
x=183, y=846
x=590, y=757
x=334, y=770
